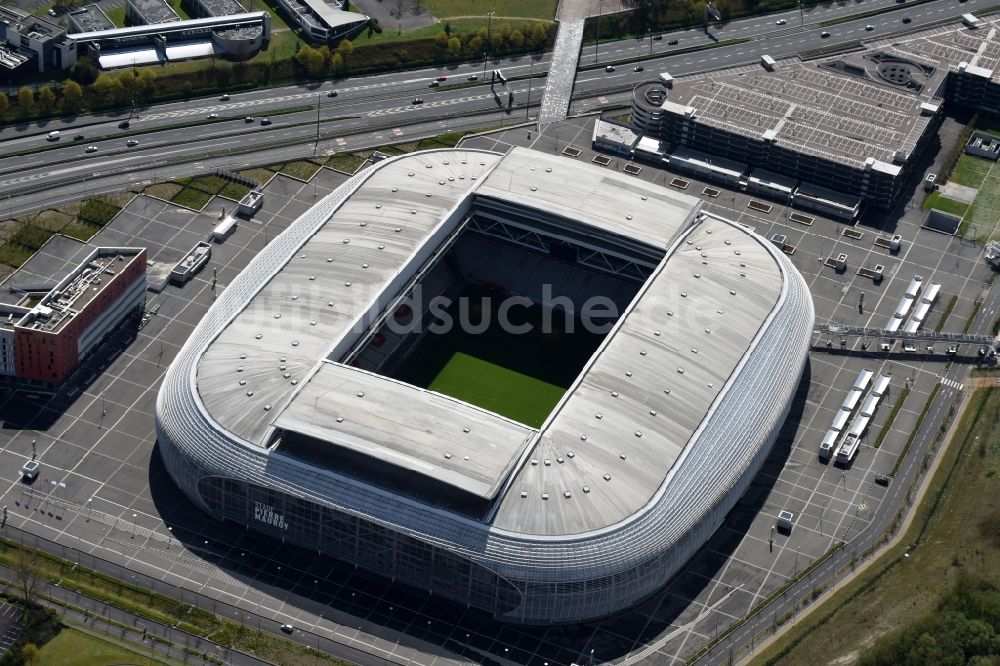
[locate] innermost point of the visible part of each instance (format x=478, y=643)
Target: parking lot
x=103, y=489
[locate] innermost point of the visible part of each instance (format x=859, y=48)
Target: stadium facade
x=276, y=414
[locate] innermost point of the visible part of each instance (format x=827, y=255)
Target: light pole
x=484, y=65
x=319, y=105
x=527, y=102
x=802, y=16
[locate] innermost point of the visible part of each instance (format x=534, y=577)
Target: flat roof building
x=90, y=19
x=31, y=43
x=149, y=12
x=50, y=331
x=323, y=21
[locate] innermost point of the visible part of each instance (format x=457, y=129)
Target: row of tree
x=110, y=90
x=505, y=38
x=88, y=89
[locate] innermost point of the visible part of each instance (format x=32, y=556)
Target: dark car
x=824, y=34
x=332, y=93
x=672, y=42
x=657, y=37
x=79, y=137
x=638, y=68
x=417, y=100
x=882, y=479
x=123, y=124
x=906, y=19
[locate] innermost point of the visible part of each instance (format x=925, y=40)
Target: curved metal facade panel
x=558, y=579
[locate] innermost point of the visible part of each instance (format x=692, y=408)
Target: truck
x=767, y=62
x=667, y=80
x=971, y=21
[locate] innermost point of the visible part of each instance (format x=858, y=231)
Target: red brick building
x=79, y=312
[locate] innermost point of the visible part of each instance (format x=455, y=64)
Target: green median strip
x=916, y=429
x=892, y=416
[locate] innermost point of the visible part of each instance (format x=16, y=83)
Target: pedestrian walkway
x=562, y=72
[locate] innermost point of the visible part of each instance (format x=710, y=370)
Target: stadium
x=553, y=474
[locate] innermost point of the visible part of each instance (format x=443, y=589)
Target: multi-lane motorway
x=384, y=103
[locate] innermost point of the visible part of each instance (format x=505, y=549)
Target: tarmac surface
x=103, y=489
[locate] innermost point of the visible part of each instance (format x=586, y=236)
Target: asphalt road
x=386, y=101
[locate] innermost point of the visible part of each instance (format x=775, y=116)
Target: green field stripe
x=490, y=386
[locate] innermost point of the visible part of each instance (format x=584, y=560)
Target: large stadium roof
x=611, y=443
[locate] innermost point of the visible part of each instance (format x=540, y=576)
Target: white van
x=54, y=135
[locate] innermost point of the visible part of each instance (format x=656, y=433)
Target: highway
x=385, y=102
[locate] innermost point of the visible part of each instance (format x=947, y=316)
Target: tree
x=25, y=100
x=539, y=35
x=447, y=29
x=4, y=104
x=315, y=63
x=454, y=46
x=84, y=72
x=303, y=55
x=30, y=655
x=496, y=42
x=46, y=99
x=107, y=91
x=337, y=63
x=345, y=48
x=147, y=79
x=516, y=39
x=27, y=575
x=72, y=95
x=475, y=46
x=441, y=40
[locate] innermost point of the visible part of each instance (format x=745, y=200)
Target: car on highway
x=417, y=100
x=672, y=42
x=249, y=119
x=638, y=68
x=29, y=470
x=91, y=149
x=441, y=78
x=332, y=93
x=869, y=27
x=131, y=142
x=609, y=68
x=780, y=22
x=906, y=19
x=473, y=77
x=212, y=116
x=265, y=121
x=434, y=84
x=79, y=137
x=224, y=98
x=287, y=628
x=824, y=34
x=123, y=124
x=657, y=37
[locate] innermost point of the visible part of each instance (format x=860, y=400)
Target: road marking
x=958, y=386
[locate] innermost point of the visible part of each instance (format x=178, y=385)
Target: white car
x=212, y=116
x=91, y=149
x=287, y=628
x=29, y=470
x=131, y=142
x=780, y=22
x=869, y=27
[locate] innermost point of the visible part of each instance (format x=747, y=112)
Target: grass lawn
x=442, y=9
x=176, y=6
x=937, y=201
x=506, y=392
x=74, y=648
x=956, y=530
x=970, y=170
x=117, y=16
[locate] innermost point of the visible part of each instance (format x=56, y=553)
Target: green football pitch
x=490, y=386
